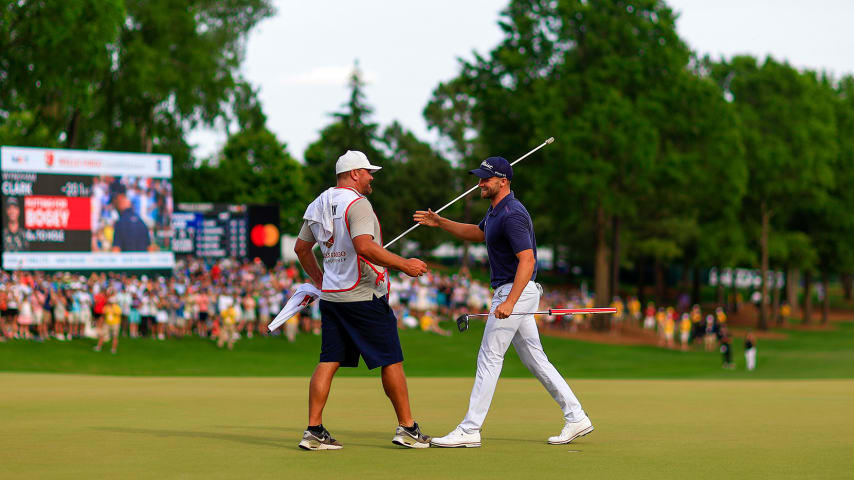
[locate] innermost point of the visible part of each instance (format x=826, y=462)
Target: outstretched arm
x=463, y=231
x=376, y=254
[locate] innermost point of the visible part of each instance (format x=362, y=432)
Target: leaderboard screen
x=85, y=210
x=211, y=230
x=219, y=230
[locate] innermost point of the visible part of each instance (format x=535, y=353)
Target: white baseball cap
x=354, y=160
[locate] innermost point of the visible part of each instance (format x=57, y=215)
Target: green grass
x=73, y=426
x=804, y=354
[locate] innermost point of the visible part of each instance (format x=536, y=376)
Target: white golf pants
x=521, y=330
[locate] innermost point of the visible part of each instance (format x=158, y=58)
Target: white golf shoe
x=571, y=431
x=457, y=438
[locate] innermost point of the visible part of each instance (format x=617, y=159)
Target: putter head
x=463, y=322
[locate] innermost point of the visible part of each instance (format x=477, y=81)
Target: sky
x=300, y=58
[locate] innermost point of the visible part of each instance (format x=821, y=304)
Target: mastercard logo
x=264, y=235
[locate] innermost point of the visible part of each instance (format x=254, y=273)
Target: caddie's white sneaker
x=571, y=431
x=457, y=438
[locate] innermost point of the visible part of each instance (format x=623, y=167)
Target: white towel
x=303, y=295
x=319, y=216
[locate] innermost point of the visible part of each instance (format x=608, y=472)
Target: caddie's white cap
x=353, y=160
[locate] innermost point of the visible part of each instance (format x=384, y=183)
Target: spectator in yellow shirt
x=669, y=330
x=660, y=318
x=229, y=327
x=617, y=318
x=786, y=311
x=111, y=325
x=429, y=324
x=685, y=330
x=635, y=309
x=291, y=327
x=720, y=316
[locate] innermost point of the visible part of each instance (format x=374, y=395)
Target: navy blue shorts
x=352, y=329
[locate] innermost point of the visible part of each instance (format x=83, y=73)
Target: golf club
x=548, y=141
x=463, y=320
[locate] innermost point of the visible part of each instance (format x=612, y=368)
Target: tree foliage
x=254, y=166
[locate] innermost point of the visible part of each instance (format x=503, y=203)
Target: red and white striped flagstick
x=463, y=320
x=557, y=311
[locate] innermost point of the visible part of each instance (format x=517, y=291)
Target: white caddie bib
x=341, y=269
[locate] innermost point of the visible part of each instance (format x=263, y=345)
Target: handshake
x=412, y=266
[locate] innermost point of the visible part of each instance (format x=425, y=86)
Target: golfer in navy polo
x=512, y=249
x=130, y=234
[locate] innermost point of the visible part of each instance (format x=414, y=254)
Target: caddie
x=355, y=313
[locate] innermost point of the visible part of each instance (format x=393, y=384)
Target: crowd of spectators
x=224, y=301
x=228, y=300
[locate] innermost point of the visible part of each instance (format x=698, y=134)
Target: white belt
x=509, y=286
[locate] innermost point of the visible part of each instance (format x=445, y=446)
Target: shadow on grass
x=487, y=438
x=289, y=439
x=248, y=439
x=339, y=434
x=290, y=431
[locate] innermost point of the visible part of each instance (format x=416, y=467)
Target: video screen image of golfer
x=86, y=210
x=472, y=240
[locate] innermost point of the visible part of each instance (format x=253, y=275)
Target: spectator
x=685, y=330
x=726, y=349
x=291, y=327
x=228, y=332
x=60, y=315
x=669, y=330
x=147, y=311
x=161, y=315
x=263, y=312
x=249, y=315
x=710, y=333
x=13, y=304
x=750, y=350
x=109, y=328
x=25, y=318
x=39, y=319
x=634, y=307
x=649, y=316
x=429, y=323
x=134, y=317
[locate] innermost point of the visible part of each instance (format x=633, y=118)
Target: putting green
x=60, y=426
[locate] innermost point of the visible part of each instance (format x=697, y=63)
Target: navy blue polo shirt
x=131, y=234
x=509, y=230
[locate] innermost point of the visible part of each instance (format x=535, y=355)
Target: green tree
x=254, y=167
x=700, y=177
x=414, y=177
x=175, y=66
x=828, y=219
x=844, y=178
x=591, y=74
x=55, y=58
x=451, y=112
x=790, y=139
x=351, y=130
x=128, y=76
